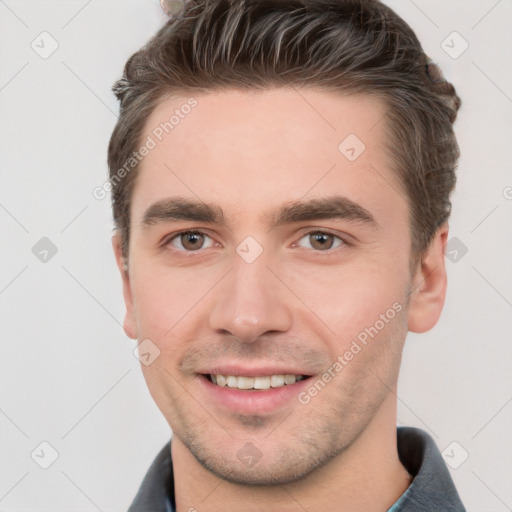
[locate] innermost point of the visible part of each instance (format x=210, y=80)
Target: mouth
x=264, y=388
x=256, y=383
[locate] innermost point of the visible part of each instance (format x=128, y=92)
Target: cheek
x=167, y=298
x=365, y=303
x=155, y=306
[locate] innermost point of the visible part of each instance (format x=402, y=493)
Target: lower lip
x=257, y=401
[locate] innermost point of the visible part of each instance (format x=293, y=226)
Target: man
x=281, y=174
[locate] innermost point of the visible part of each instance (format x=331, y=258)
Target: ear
x=129, y=324
x=429, y=285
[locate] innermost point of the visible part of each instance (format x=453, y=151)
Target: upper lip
x=263, y=370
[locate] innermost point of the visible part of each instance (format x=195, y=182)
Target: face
x=269, y=277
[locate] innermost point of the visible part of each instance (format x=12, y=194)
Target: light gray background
x=69, y=377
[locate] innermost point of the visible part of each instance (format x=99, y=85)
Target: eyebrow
x=333, y=207
x=179, y=208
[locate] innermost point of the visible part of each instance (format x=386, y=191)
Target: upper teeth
x=265, y=382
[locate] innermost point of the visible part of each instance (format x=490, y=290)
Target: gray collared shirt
x=431, y=490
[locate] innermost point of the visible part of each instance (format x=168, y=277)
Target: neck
x=366, y=476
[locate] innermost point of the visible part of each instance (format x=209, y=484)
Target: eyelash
x=168, y=240
x=328, y=233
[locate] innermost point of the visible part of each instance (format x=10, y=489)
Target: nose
x=250, y=302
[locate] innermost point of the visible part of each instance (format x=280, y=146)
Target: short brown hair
x=342, y=45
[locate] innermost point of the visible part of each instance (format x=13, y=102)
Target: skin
x=299, y=303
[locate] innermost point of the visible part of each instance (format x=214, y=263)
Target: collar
x=431, y=489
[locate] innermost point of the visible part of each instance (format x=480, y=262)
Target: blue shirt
x=432, y=488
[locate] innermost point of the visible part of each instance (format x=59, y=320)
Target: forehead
x=251, y=150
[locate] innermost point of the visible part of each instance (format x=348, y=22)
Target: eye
x=321, y=241
x=190, y=241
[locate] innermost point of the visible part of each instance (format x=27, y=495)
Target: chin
x=250, y=467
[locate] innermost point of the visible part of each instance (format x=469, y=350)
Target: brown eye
x=192, y=241
x=321, y=241
x=189, y=241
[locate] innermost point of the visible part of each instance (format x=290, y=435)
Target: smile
x=255, y=383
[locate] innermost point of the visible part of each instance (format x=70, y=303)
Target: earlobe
x=129, y=323
x=429, y=285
